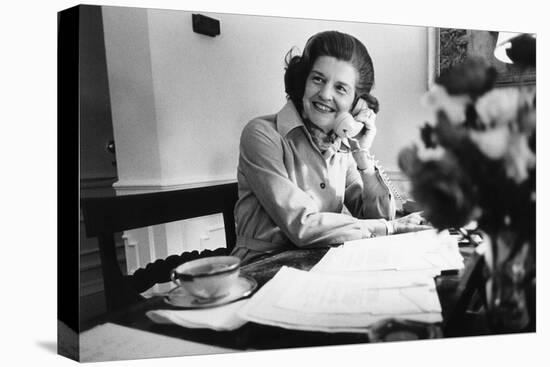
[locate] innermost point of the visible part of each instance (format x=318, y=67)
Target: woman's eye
x=317, y=79
x=342, y=89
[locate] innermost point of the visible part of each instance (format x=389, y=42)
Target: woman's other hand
x=410, y=223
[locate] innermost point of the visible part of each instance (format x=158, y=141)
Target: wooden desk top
x=454, y=291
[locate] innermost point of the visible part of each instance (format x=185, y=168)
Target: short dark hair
x=339, y=45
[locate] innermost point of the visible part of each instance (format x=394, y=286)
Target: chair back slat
x=119, y=213
x=105, y=216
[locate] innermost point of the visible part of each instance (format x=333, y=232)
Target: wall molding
x=122, y=186
x=96, y=187
x=96, y=182
x=143, y=186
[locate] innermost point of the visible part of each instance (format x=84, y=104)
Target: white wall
x=181, y=99
x=135, y=124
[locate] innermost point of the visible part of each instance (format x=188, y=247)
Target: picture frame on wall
x=455, y=45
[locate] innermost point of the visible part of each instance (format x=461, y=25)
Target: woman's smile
x=322, y=107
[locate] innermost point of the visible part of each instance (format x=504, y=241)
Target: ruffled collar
x=328, y=143
x=288, y=119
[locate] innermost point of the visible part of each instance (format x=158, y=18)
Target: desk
x=454, y=292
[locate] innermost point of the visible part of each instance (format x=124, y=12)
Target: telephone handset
x=347, y=127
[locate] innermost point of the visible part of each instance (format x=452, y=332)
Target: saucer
x=243, y=287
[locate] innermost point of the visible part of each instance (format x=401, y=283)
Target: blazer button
x=323, y=185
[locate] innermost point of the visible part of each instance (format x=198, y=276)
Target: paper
x=281, y=301
x=360, y=283
x=425, y=250
x=217, y=318
x=321, y=293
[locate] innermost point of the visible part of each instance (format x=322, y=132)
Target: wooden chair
x=104, y=217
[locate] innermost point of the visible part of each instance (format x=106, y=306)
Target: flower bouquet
x=477, y=165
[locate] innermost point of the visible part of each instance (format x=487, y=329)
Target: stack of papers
x=302, y=300
x=427, y=251
x=358, y=284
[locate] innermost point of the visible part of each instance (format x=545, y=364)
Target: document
x=323, y=293
x=360, y=283
x=302, y=300
x=428, y=251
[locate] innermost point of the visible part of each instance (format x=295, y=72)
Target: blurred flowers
x=478, y=159
x=453, y=106
x=498, y=107
x=441, y=187
x=478, y=163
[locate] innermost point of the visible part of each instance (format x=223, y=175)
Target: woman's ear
x=372, y=102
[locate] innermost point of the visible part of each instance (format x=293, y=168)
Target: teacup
x=207, y=278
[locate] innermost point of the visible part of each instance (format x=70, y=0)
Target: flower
x=454, y=107
x=478, y=160
x=428, y=136
x=441, y=186
x=437, y=152
x=498, y=107
x=512, y=148
x=519, y=159
x=494, y=143
x=473, y=77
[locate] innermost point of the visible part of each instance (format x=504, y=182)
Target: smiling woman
x=296, y=173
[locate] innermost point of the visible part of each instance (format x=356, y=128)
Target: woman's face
x=329, y=90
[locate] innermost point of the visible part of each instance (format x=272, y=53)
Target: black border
x=68, y=218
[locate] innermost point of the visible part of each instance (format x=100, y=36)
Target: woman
x=295, y=174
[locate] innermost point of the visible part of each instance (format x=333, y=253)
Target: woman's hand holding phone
x=359, y=128
x=362, y=113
